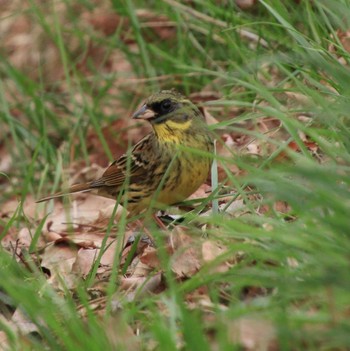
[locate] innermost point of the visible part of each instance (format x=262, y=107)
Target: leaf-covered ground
x=256, y=258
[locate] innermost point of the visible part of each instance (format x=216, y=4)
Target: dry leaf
x=120, y=335
x=84, y=261
x=253, y=334
x=23, y=324
x=246, y=4
x=87, y=212
x=25, y=239
x=186, y=262
x=4, y=341
x=150, y=258
x=59, y=260
x=210, y=251
x=344, y=38
x=142, y=285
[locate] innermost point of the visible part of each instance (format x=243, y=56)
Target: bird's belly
x=182, y=185
x=175, y=189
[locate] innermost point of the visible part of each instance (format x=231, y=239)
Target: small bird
x=163, y=168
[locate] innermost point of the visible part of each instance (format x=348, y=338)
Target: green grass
x=298, y=261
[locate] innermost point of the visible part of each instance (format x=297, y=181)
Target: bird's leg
x=143, y=228
x=158, y=221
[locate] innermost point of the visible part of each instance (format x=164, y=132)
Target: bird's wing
x=134, y=165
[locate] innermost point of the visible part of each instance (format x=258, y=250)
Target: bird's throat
x=171, y=131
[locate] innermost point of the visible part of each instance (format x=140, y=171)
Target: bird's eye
x=165, y=105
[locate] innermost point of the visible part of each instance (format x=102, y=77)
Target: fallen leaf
x=59, y=260
x=4, y=340
x=142, y=286
x=253, y=334
x=25, y=238
x=150, y=257
x=124, y=338
x=84, y=261
x=22, y=322
x=186, y=262
x=86, y=212
x=246, y=4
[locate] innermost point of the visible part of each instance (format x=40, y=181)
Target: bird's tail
x=77, y=188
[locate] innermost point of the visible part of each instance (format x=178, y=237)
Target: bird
x=164, y=167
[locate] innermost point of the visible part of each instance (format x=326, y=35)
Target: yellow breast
x=184, y=182
x=185, y=168
x=171, y=131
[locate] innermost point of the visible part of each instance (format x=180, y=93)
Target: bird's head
x=170, y=114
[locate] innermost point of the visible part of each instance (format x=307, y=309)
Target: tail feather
x=77, y=188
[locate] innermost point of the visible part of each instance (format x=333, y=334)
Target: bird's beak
x=143, y=113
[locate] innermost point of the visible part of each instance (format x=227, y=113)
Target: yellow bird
x=166, y=166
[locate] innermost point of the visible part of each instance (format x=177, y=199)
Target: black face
x=163, y=107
